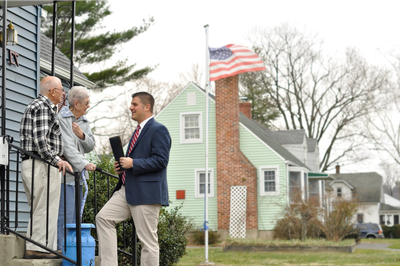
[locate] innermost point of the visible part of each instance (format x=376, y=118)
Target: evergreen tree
x=93, y=48
x=263, y=109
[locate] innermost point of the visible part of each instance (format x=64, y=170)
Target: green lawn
x=359, y=257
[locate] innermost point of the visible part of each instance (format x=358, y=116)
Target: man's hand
x=62, y=165
x=90, y=167
x=126, y=162
x=116, y=168
x=77, y=131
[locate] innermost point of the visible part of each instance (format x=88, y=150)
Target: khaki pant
x=39, y=204
x=145, y=218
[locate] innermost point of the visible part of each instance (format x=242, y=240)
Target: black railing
x=13, y=170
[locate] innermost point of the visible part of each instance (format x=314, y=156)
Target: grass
x=359, y=257
x=296, y=242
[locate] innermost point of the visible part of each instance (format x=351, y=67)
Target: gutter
x=65, y=74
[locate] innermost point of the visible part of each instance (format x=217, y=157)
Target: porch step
x=12, y=249
x=23, y=262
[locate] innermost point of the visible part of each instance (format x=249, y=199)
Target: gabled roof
x=265, y=135
x=367, y=186
x=285, y=137
x=62, y=63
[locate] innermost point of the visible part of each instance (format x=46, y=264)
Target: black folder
x=116, y=146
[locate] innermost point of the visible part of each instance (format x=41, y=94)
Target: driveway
x=375, y=246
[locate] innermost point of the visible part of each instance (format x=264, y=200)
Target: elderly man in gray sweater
x=78, y=140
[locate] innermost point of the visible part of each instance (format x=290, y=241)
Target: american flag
x=231, y=60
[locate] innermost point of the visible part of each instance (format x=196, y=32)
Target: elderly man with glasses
x=40, y=134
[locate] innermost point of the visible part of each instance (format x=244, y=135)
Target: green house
x=242, y=154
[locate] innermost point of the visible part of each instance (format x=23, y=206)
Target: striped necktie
x=135, y=137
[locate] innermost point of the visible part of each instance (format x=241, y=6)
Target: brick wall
x=233, y=167
x=245, y=108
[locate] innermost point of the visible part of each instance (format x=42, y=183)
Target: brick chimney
x=233, y=167
x=245, y=108
x=337, y=169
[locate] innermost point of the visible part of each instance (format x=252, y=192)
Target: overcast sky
x=177, y=39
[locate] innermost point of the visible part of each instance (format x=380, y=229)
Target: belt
x=27, y=157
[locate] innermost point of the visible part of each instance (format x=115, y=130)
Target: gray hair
x=77, y=93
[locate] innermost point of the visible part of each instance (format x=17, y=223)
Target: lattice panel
x=237, y=224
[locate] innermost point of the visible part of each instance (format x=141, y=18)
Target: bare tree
x=194, y=74
x=324, y=96
x=110, y=115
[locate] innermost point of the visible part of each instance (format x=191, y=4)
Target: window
x=191, y=129
x=339, y=192
x=360, y=217
x=269, y=180
x=295, y=185
x=382, y=219
x=314, y=190
x=201, y=183
x=396, y=219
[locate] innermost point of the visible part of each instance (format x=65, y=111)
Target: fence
x=10, y=202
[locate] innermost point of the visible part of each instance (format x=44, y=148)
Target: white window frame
x=262, y=169
x=182, y=128
x=197, y=172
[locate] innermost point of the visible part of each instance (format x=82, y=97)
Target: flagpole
x=206, y=157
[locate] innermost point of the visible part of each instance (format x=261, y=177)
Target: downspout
x=72, y=44
x=3, y=71
x=3, y=116
x=54, y=41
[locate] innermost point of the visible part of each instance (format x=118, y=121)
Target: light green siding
x=185, y=158
x=269, y=207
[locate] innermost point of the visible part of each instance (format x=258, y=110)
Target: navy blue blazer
x=146, y=181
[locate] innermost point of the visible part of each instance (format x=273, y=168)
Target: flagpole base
x=207, y=263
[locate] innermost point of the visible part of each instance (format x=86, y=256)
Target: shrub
x=172, y=236
x=300, y=218
x=198, y=237
x=391, y=231
x=338, y=219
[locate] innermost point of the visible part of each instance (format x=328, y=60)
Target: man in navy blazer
x=142, y=188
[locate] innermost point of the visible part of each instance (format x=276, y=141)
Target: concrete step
x=23, y=262
x=12, y=249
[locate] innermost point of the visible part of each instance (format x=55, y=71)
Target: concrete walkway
x=375, y=246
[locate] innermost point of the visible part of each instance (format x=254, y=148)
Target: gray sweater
x=74, y=148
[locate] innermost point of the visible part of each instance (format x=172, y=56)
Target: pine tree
x=93, y=48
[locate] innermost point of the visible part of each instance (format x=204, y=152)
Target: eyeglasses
x=62, y=90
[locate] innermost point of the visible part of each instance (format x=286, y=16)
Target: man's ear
x=147, y=107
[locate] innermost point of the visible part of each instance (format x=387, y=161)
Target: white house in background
x=389, y=211
x=367, y=187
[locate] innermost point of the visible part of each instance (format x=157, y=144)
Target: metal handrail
x=5, y=226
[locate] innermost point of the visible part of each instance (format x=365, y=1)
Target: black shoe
x=31, y=254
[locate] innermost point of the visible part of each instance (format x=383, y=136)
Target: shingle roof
x=61, y=60
x=62, y=63
x=288, y=136
x=386, y=207
x=264, y=134
x=367, y=186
